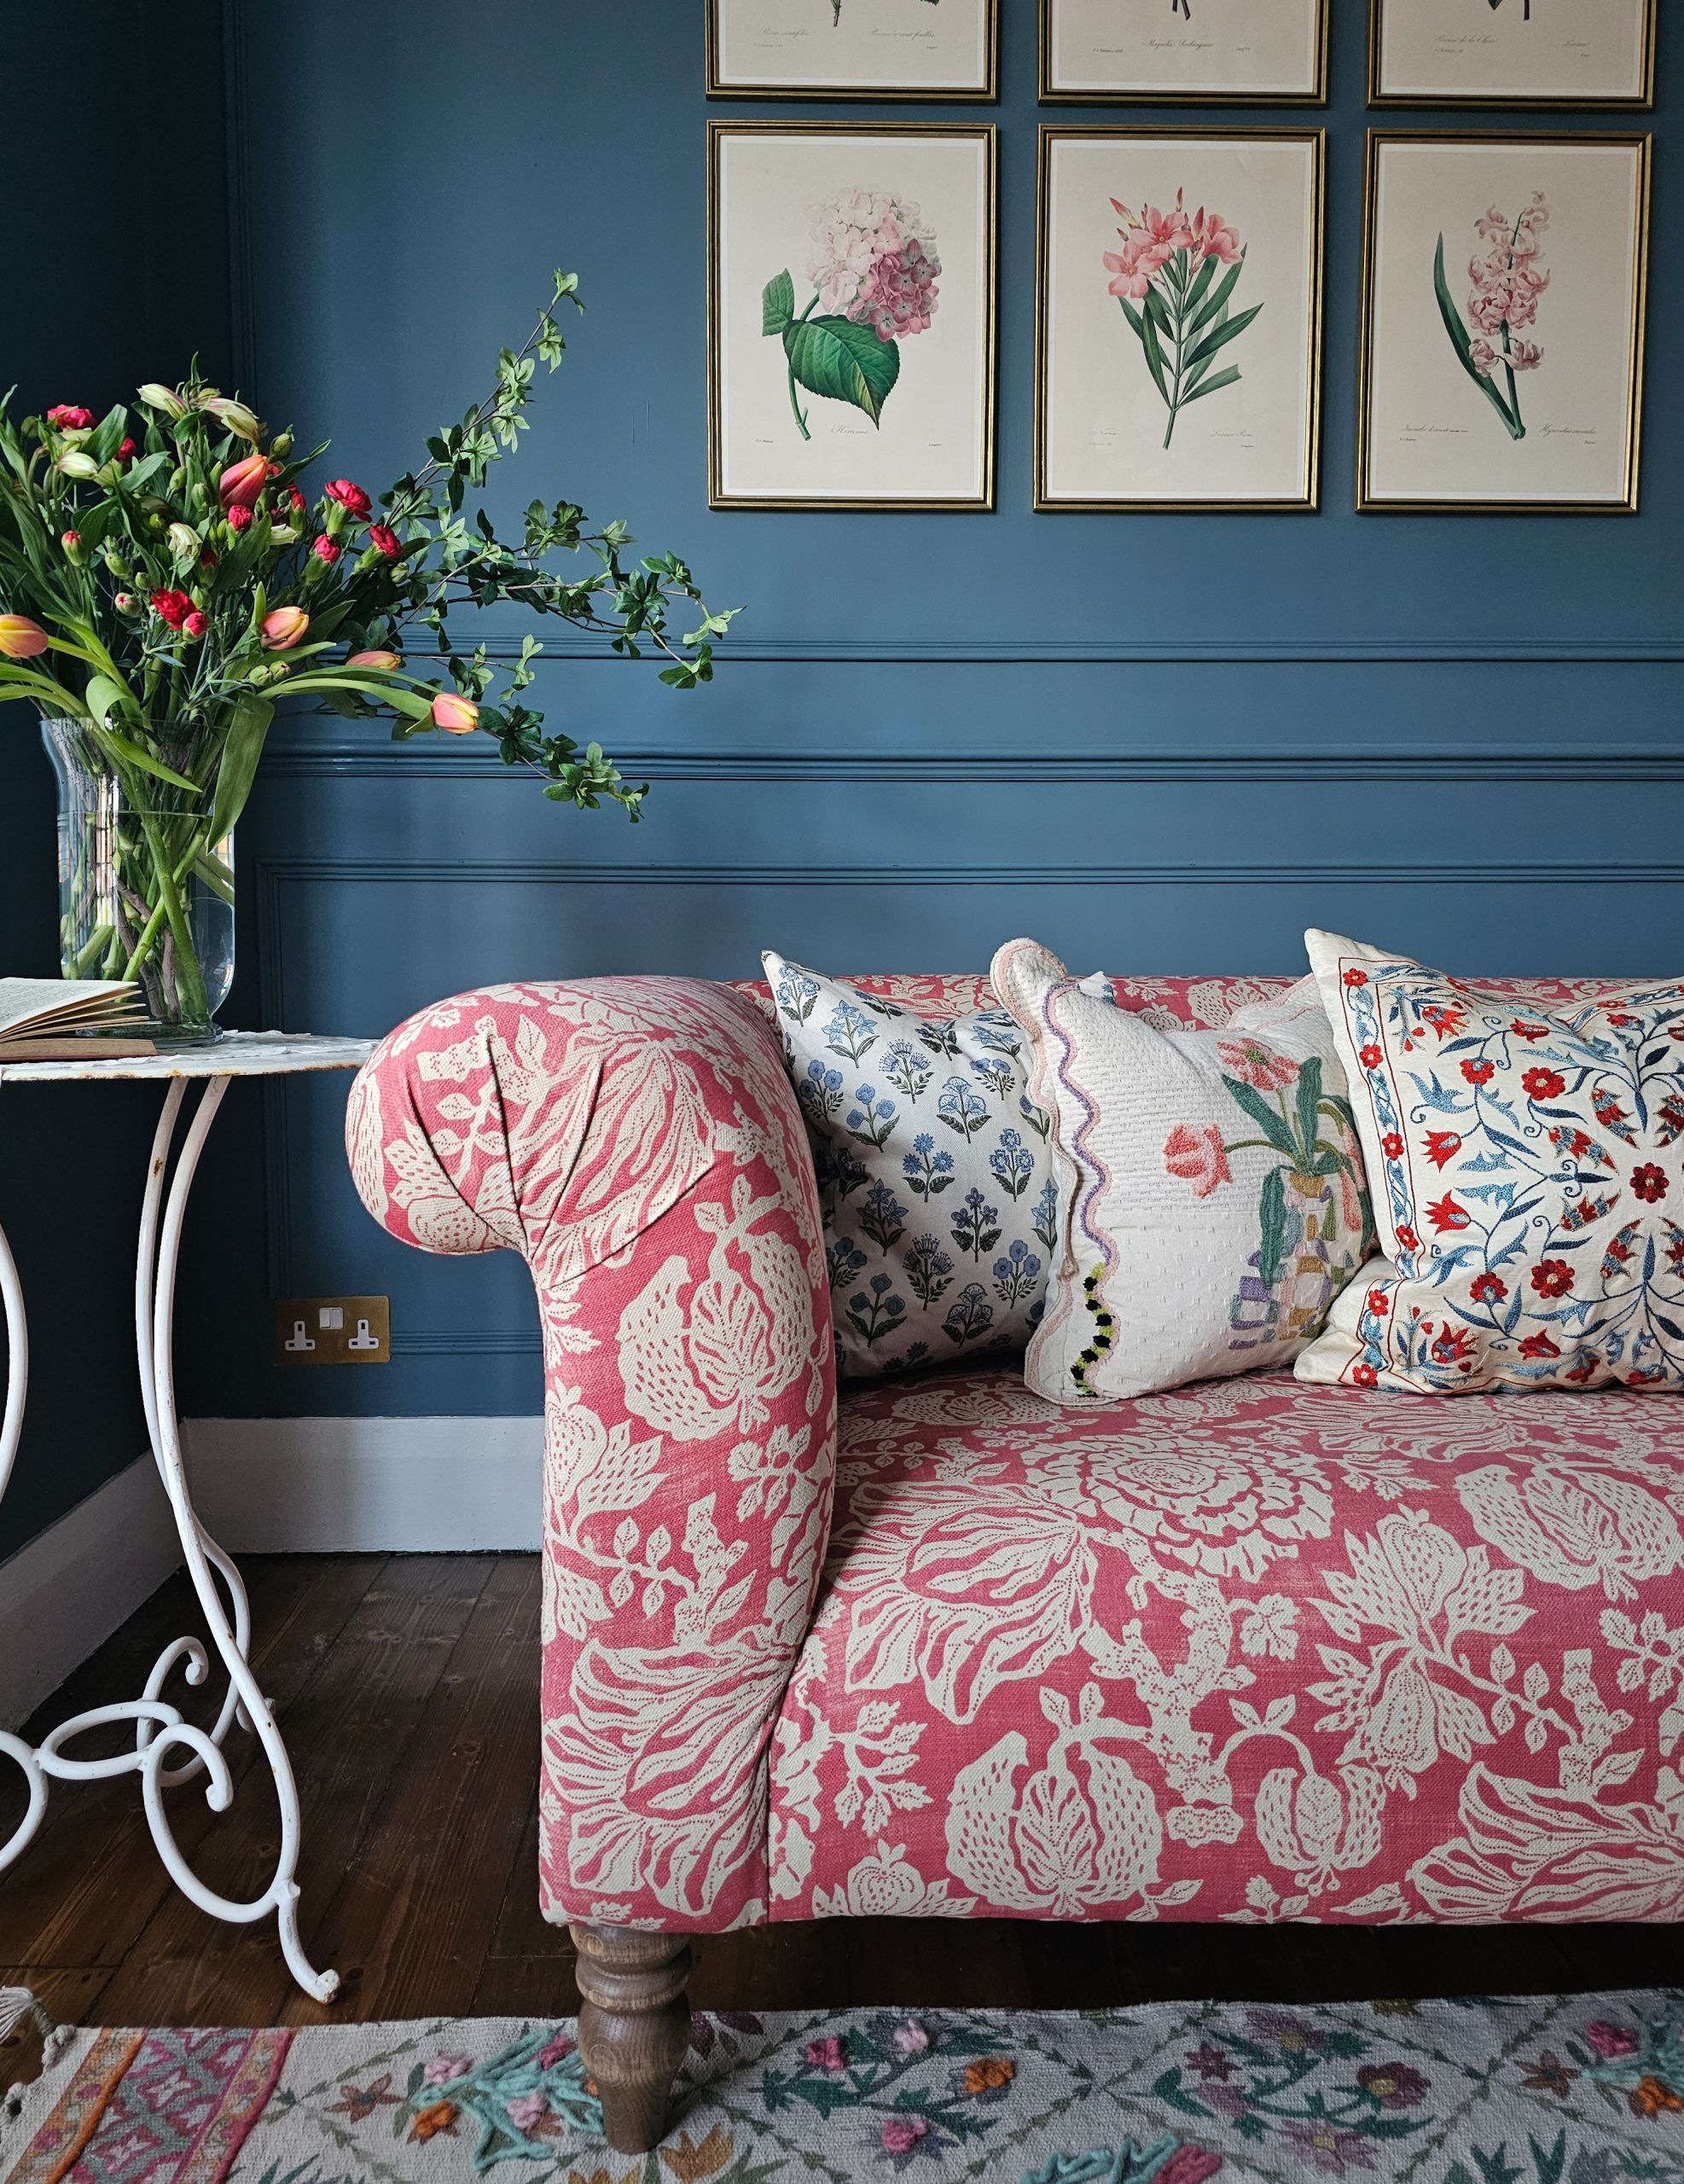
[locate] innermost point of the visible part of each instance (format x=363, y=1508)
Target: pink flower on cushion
x=1259, y=1067
x=1198, y=1155
x=902, y=2133
x=827, y=2053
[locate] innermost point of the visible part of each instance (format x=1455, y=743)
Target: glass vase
x=146, y=882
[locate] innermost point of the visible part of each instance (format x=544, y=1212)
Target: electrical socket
x=333, y=1331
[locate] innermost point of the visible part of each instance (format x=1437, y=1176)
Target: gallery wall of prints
x=1181, y=267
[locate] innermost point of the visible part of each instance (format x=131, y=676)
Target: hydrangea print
x=875, y=275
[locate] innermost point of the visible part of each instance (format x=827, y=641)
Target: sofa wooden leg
x=634, y=2026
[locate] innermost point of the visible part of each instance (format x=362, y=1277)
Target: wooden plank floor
x=407, y=1686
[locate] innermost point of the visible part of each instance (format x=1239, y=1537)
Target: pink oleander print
x=1175, y=278
x=1507, y=279
x=875, y=274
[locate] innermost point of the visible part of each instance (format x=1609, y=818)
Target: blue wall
x=1161, y=743
x=117, y=256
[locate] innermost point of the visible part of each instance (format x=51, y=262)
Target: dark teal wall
x=117, y=268
x=1159, y=743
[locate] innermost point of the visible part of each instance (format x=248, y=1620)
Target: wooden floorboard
x=407, y=1687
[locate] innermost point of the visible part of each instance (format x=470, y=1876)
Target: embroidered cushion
x=1527, y=1160
x=935, y=1181
x=1211, y=1199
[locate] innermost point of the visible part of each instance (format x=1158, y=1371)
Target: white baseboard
x=73, y=1585
x=348, y=1485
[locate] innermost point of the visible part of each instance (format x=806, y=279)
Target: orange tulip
x=387, y=663
x=21, y=638
x=282, y=627
x=456, y=716
x=239, y=485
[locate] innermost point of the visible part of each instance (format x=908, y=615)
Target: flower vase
x=146, y=874
x=1294, y=1305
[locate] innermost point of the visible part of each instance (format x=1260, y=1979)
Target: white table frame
x=168, y=1749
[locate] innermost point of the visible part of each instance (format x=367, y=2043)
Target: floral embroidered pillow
x=1211, y=1196
x=1528, y=1170
x=934, y=1175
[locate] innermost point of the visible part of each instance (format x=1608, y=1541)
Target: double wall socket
x=333, y=1331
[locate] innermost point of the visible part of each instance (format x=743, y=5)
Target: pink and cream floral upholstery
x=1252, y=1650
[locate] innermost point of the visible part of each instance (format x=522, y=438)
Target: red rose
x=1488, y=1288
x=1552, y=1277
x=174, y=607
x=1540, y=1345
x=1370, y=1057
x=1356, y=977
x=384, y=540
x=348, y=496
x=1479, y=1072
x=1392, y=1145
x=326, y=549
x=1544, y=1083
x=1364, y=1376
x=70, y=417
x=238, y=518
x=1649, y=1183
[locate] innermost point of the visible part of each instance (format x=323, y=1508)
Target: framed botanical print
x=1502, y=324
x=853, y=49
x=1179, y=339
x=1195, y=52
x=850, y=314
x=1547, y=53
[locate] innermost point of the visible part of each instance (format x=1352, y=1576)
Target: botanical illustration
x=1174, y=277
x=1525, y=8
x=836, y=7
x=875, y=276
x=1506, y=282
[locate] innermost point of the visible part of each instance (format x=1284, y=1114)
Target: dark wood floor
x=407, y=1686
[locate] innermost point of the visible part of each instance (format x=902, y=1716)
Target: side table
x=162, y=1735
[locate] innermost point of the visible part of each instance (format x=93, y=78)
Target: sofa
x=1251, y=1651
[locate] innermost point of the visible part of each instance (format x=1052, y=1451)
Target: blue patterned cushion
x=934, y=1174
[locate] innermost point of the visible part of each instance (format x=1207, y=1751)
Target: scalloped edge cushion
x=1207, y=1218
x=1526, y=1154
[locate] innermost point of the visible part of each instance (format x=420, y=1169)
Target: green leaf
x=1272, y=1217
x=1221, y=335
x=1226, y=378
x=242, y=747
x=135, y=756
x=1463, y=343
x=1273, y=1125
x=1214, y=305
x=1309, y=1100
x=1201, y=282
x=105, y=698
x=1132, y=316
x=844, y=362
x=777, y=304
x=1154, y=355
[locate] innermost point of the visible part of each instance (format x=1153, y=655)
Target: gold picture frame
x=1157, y=95
x=987, y=93
x=1432, y=432
x=1305, y=498
x=1640, y=101
x=973, y=372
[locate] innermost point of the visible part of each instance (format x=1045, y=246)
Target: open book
x=71, y=1020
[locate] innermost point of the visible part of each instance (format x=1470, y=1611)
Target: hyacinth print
x=1505, y=278
x=1175, y=278
x=876, y=277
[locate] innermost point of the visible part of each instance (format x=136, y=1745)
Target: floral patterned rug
x=1553, y=2089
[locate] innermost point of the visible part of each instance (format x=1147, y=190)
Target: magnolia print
x=875, y=276
x=1175, y=278
x=1507, y=279
x=836, y=7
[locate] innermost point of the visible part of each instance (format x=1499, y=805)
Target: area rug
x=1580, y=2089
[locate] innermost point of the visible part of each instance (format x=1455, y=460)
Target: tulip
x=238, y=518
x=236, y=416
x=194, y=624
x=74, y=464
x=348, y=496
x=456, y=715
x=384, y=540
x=282, y=627
x=163, y=397
x=183, y=541
x=70, y=417
x=21, y=638
x=239, y=485
x=327, y=551
x=383, y=663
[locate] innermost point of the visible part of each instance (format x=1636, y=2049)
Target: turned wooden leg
x=634, y=2026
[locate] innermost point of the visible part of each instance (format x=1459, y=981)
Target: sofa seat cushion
x=1252, y=1650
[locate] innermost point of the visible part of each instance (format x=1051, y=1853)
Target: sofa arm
x=637, y=1140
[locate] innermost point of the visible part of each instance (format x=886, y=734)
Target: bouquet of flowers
x=166, y=574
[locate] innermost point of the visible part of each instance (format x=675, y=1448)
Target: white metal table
x=161, y=1732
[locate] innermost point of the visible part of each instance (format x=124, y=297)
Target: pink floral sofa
x=1251, y=1651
